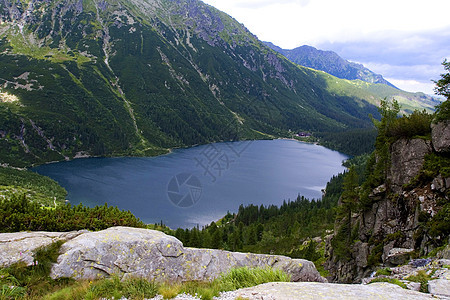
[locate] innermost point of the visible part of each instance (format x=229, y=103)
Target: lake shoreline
x=260, y=172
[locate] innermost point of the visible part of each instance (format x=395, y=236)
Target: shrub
x=384, y=271
x=418, y=124
x=422, y=277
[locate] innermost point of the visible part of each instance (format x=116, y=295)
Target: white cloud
x=413, y=85
x=383, y=32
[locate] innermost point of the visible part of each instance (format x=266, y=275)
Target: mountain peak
x=330, y=62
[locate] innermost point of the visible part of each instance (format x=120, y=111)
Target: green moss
x=390, y=280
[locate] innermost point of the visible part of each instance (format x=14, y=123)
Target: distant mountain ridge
x=138, y=77
x=330, y=62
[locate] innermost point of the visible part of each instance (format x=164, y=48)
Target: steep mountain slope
x=360, y=81
x=329, y=62
x=123, y=77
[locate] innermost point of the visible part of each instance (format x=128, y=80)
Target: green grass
x=37, y=188
x=233, y=280
x=422, y=277
x=384, y=271
x=34, y=283
x=23, y=45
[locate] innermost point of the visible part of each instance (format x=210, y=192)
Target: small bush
x=418, y=124
x=422, y=277
x=384, y=271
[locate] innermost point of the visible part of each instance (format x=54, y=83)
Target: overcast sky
x=404, y=40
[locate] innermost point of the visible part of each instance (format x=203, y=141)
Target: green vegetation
x=422, y=277
x=233, y=280
x=390, y=280
x=35, y=187
x=354, y=142
x=384, y=271
x=19, y=214
x=443, y=89
x=21, y=282
x=159, y=88
x=285, y=230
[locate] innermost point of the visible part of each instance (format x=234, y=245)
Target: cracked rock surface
x=142, y=253
x=20, y=246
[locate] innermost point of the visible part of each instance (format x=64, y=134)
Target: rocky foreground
x=157, y=256
x=140, y=253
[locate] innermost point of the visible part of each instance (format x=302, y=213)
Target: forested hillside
x=125, y=77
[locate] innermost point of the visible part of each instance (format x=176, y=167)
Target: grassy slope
x=37, y=188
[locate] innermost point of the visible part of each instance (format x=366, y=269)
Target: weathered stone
x=19, y=246
x=438, y=184
x=415, y=286
x=444, y=253
x=440, y=136
x=439, y=287
x=398, y=256
x=312, y=290
x=447, y=182
x=154, y=255
x=362, y=252
x=407, y=158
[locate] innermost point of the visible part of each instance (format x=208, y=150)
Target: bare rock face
x=20, y=246
x=142, y=253
x=407, y=158
x=440, y=136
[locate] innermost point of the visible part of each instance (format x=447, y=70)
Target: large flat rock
x=156, y=256
x=142, y=253
x=321, y=291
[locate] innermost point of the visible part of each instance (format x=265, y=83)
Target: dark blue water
x=199, y=185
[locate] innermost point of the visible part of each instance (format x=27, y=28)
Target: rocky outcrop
x=392, y=229
x=407, y=158
x=440, y=135
x=312, y=290
x=20, y=246
x=141, y=253
x=434, y=276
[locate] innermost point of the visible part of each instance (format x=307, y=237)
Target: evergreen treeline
x=352, y=142
x=19, y=214
x=269, y=229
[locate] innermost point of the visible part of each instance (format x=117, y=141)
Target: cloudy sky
x=404, y=40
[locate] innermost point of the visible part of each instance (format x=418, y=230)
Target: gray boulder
x=398, y=256
x=154, y=255
x=440, y=136
x=20, y=246
x=440, y=287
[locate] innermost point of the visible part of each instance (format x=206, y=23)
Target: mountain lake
x=198, y=185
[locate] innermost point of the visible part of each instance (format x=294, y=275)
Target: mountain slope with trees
x=128, y=77
x=372, y=83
